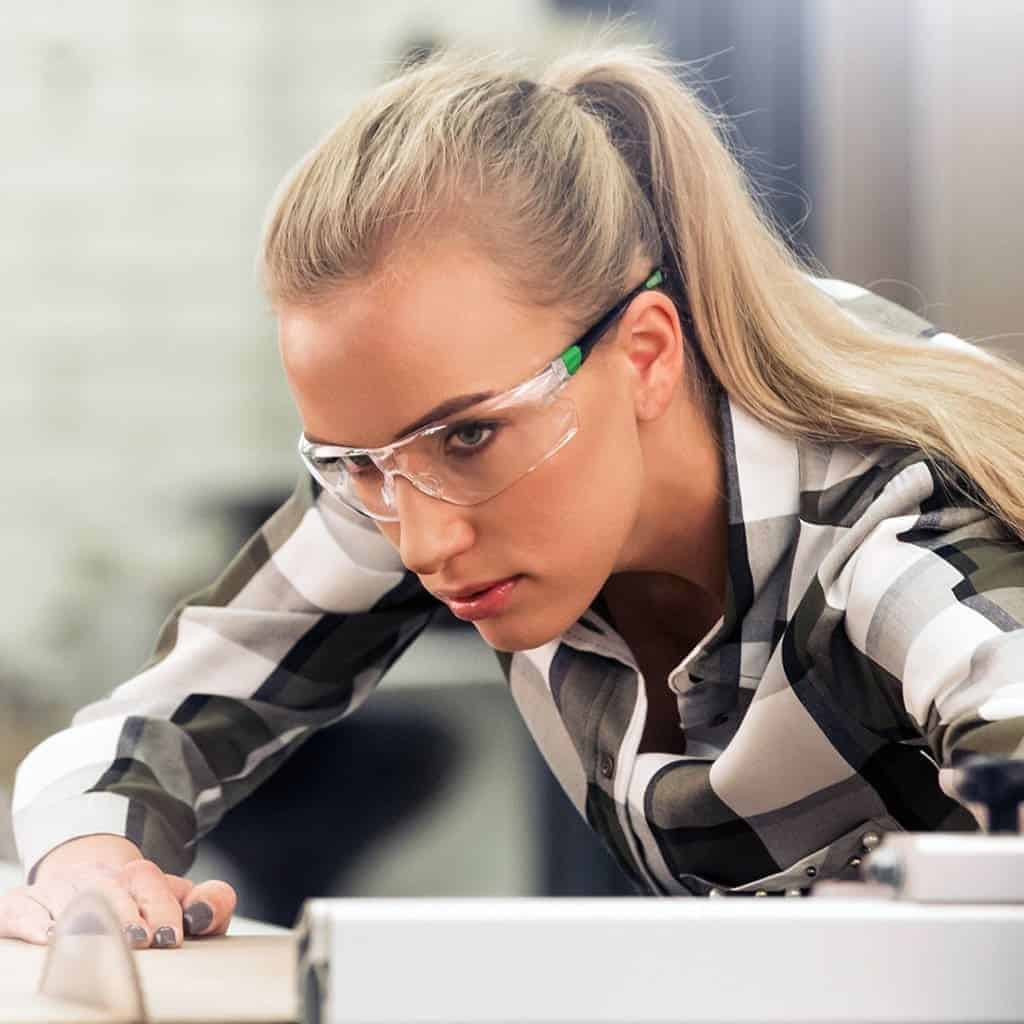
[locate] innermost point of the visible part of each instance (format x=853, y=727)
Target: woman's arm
x=935, y=608
x=294, y=635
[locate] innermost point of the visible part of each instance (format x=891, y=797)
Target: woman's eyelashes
x=469, y=438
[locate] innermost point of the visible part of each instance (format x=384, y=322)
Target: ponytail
x=611, y=160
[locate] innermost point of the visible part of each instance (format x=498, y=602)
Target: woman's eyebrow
x=447, y=408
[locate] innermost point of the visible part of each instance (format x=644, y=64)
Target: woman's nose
x=431, y=531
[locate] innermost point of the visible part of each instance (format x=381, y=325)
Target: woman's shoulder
x=847, y=486
x=872, y=309
x=886, y=316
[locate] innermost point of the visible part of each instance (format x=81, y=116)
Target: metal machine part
x=998, y=784
x=933, y=932
x=641, y=960
x=958, y=867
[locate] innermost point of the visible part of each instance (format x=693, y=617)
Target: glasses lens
x=353, y=478
x=466, y=461
x=485, y=450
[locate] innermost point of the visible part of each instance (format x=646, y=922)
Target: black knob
x=996, y=782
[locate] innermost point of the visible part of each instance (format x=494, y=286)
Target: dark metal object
x=998, y=783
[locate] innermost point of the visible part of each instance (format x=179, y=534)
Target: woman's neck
x=678, y=554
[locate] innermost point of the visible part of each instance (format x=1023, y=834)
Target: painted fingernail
x=164, y=937
x=198, y=917
x=136, y=935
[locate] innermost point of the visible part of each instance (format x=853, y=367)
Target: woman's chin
x=510, y=633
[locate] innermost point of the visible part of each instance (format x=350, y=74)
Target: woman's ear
x=652, y=341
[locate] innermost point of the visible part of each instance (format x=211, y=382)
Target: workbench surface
x=233, y=979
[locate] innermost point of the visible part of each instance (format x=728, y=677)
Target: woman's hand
x=154, y=908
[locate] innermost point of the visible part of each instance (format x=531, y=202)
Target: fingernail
x=164, y=937
x=136, y=935
x=198, y=917
x=50, y=932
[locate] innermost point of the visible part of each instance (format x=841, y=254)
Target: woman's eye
x=470, y=436
x=355, y=464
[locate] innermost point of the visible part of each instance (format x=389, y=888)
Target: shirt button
x=607, y=765
x=715, y=894
x=794, y=892
x=761, y=892
x=811, y=871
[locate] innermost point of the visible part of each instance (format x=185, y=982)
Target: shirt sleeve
x=934, y=602
x=294, y=635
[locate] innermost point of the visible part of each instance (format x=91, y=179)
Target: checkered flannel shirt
x=872, y=636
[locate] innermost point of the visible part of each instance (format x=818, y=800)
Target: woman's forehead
x=377, y=355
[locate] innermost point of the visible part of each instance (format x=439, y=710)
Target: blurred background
x=146, y=424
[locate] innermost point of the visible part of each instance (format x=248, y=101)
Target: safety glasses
x=475, y=455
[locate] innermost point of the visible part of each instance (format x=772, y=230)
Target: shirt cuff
x=41, y=827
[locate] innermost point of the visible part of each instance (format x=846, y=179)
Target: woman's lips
x=484, y=604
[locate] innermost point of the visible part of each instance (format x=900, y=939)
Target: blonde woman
x=748, y=541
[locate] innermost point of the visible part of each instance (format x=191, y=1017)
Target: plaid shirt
x=872, y=635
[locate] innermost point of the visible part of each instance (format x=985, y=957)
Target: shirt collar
x=762, y=478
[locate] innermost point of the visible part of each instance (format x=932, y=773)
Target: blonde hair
x=567, y=179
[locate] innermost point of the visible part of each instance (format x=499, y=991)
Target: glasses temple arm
x=576, y=354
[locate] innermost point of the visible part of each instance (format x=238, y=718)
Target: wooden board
x=233, y=979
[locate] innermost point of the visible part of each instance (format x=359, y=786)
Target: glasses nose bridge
x=385, y=463
x=391, y=466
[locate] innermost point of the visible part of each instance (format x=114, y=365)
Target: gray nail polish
x=198, y=917
x=136, y=935
x=164, y=937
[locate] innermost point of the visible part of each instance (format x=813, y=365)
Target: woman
x=750, y=543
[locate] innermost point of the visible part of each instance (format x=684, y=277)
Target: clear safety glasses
x=472, y=456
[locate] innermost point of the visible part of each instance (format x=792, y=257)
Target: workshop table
x=231, y=979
